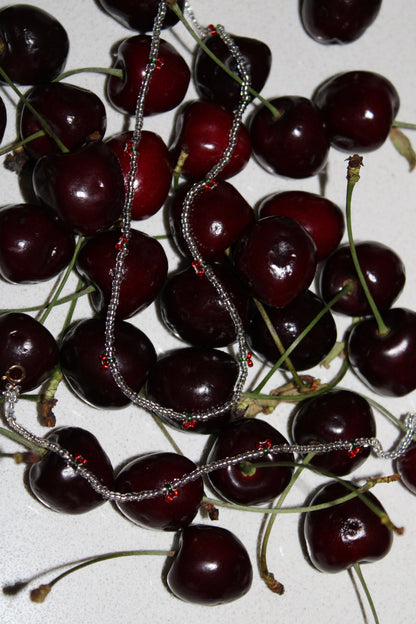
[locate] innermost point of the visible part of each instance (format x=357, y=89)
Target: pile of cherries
x=267, y=260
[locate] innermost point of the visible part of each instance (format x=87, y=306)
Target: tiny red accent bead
x=80, y=460
x=189, y=423
x=197, y=266
x=121, y=242
x=264, y=445
x=159, y=63
x=129, y=147
x=169, y=497
x=212, y=29
x=210, y=184
x=354, y=450
x=105, y=362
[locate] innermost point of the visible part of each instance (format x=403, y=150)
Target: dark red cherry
x=337, y=415
x=153, y=171
x=74, y=114
x=138, y=14
x=202, y=131
x=406, y=467
x=192, y=380
x=3, y=119
x=385, y=363
x=211, y=567
x=320, y=217
x=193, y=310
x=85, y=366
x=338, y=21
x=214, y=85
x=145, y=270
x=217, y=217
x=84, y=187
x=33, y=44
x=296, y=144
x=28, y=350
x=168, y=84
x=34, y=246
x=289, y=322
x=347, y=533
x=383, y=270
x=276, y=258
x=359, y=108
x=171, y=511
x=58, y=485
x=243, y=483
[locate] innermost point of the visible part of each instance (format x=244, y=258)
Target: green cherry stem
x=357, y=570
x=79, y=293
x=12, y=435
x=12, y=147
x=353, y=175
x=404, y=124
x=108, y=71
x=175, y=8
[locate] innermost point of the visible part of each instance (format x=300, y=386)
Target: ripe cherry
x=33, y=45
x=276, y=258
x=145, y=270
x=58, y=485
x=85, y=366
x=3, y=119
x=214, y=85
x=202, y=131
x=296, y=144
x=244, y=483
x=74, y=114
x=337, y=415
x=320, y=217
x=211, y=567
x=167, y=86
x=341, y=535
x=359, y=108
x=385, y=363
x=34, y=245
x=192, y=380
x=153, y=173
x=29, y=351
x=383, y=270
x=168, y=512
x=338, y=21
x=289, y=322
x=138, y=14
x=406, y=467
x=84, y=187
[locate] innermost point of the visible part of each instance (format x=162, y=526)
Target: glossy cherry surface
x=276, y=258
x=320, y=217
x=153, y=171
x=385, y=363
x=193, y=310
x=138, y=14
x=58, y=485
x=84, y=187
x=296, y=144
x=85, y=368
x=145, y=270
x=383, y=271
x=289, y=322
x=202, y=130
x=217, y=217
x=337, y=415
x=34, y=246
x=338, y=21
x=33, y=45
x=359, y=108
x=406, y=467
x=347, y=533
x=192, y=380
x=3, y=119
x=28, y=345
x=242, y=483
x=168, y=84
x=168, y=512
x=211, y=81
x=212, y=566
x=73, y=113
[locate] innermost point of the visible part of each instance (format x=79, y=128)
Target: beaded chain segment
x=15, y=374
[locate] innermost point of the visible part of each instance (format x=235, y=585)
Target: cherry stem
x=346, y=289
x=16, y=437
x=175, y=8
x=12, y=147
x=109, y=71
x=357, y=569
x=404, y=124
x=39, y=594
x=34, y=112
x=264, y=571
x=79, y=293
x=353, y=175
